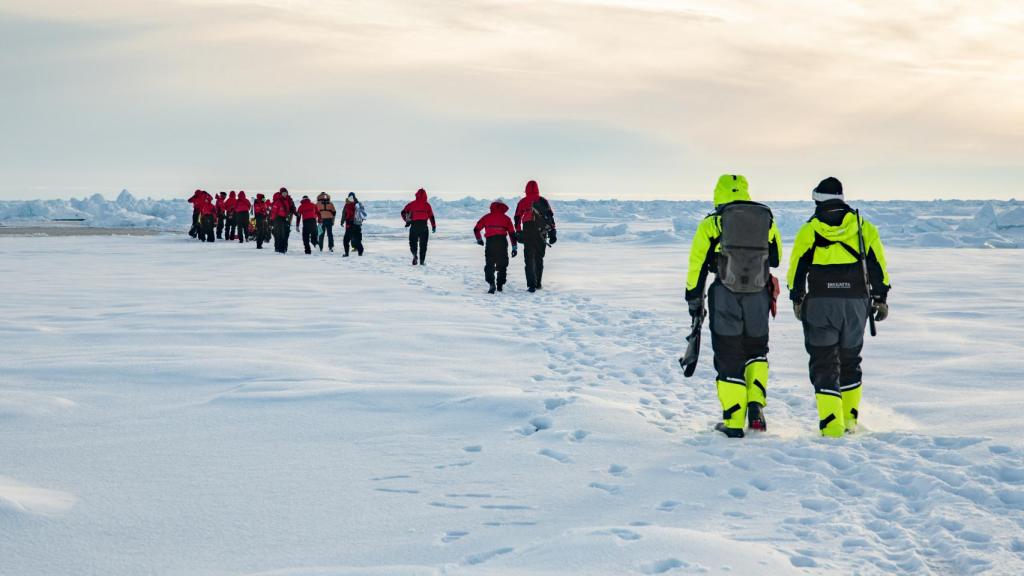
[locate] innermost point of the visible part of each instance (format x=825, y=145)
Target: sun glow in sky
x=644, y=99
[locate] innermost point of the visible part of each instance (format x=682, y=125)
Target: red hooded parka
x=496, y=223
x=419, y=209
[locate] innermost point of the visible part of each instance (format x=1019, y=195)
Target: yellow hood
x=730, y=188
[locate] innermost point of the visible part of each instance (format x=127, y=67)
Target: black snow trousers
x=309, y=234
x=261, y=230
x=194, y=230
x=739, y=330
x=242, y=226
x=419, y=235
x=834, y=337
x=534, y=248
x=206, y=228
x=282, y=228
x=220, y=225
x=327, y=229
x=496, y=260
x=354, y=238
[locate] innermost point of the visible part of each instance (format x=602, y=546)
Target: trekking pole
x=867, y=278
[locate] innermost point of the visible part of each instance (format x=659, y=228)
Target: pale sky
x=593, y=98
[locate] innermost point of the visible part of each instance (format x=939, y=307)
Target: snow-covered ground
x=169, y=407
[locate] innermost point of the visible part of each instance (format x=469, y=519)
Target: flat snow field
x=170, y=407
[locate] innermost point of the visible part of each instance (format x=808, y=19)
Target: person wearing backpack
x=327, y=214
x=835, y=285
x=353, y=215
x=738, y=243
x=535, y=229
x=241, y=215
x=229, y=210
x=416, y=215
x=261, y=210
x=496, y=225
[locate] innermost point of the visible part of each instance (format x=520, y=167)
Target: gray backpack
x=743, y=259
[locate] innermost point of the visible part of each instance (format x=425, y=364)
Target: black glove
x=798, y=309
x=479, y=241
x=696, y=307
x=514, y=252
x=433, y=230
x=880, y=310
x=407, y=224
x=552, y=238
x=519, y=237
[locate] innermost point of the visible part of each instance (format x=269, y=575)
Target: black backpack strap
x=822, y=242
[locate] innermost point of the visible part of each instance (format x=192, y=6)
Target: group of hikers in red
x=230, y=216
x=233, y=217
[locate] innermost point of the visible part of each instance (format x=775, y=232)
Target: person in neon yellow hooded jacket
x=830, y=297
x=738, y=321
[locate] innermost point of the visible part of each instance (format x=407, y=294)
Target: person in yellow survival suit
x=827, y=287
x=738, y=242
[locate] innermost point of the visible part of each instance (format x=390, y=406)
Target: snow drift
x=938, y=223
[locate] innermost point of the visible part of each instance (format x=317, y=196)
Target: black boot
x=491, y=290
x=755, y=417
x=730, y=432
x=500, y=286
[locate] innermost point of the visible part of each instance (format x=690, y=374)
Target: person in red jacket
x=309, y=215
x=207, y=218
x=353, y=215
x=229, y=208
x=241, y=215
x=535, y=227
x=196, y=202
x=281, y=213
x=261, y=210
x=221, y=214
x=496, y=225
x=416, y=215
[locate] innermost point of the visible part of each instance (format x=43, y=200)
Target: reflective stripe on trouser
x=733, y=396
x=756, y=375
x=830, y=413
x=851, y=405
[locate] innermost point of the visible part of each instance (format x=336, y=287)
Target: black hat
x=828, y=189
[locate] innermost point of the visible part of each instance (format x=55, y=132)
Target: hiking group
x=233, y=217
x=837, y=279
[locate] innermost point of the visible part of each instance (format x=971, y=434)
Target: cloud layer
x=594, y=98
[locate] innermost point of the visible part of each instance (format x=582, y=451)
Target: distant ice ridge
x=937, y=223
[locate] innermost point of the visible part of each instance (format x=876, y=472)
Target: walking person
x=353, y=215
x=281, y=212
x=207, y=218
x=221, y=198
x=261, y=210
x=327, y=215
x=229, y=208
x=738, y=243
x=197, y=199
x=308, y=215
x=837, y=278
x=496, y=226
x=242, y=207
x=535, y=228
x=416, y=215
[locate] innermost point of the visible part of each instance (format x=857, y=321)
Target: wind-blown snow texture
x=169, y=407
x=940, y=223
